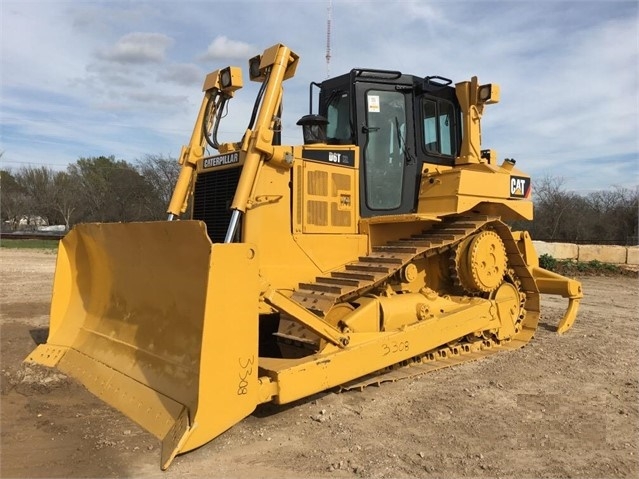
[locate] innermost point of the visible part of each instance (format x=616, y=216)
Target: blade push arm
x=276, y=64
x=219, y=87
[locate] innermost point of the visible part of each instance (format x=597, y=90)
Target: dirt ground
x=563, y=406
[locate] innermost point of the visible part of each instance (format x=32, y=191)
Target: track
x=372, y=271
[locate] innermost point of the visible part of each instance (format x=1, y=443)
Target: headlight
x=254, y=67
x=225, y=77
x=484, y=93
x=230, y=79
x=488, y=93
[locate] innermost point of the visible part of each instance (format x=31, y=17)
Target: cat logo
x=221, y=160
x=519, y=187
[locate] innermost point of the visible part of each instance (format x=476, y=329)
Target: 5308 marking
x=246, y=369
x=395, y=347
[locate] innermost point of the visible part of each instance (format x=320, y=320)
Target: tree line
x=98, y=189
x=600, y=217
x=104, y=189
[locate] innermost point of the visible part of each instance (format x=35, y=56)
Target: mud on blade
x=158, y=322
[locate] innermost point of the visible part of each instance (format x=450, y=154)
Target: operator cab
x=400, y=122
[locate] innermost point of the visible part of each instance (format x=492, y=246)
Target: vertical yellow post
x=471, y=116
x=260, y=144
x=190, y=154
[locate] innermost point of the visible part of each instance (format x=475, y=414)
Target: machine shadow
x=39, y=335
x=271, y=409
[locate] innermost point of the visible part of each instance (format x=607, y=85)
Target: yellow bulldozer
x=380, y=248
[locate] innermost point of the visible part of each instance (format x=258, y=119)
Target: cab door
x=388, y=169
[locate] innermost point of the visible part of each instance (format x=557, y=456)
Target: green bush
x=568, y=267
x=547, y=262
x=603, y=267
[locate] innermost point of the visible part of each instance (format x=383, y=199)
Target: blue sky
x=88, y=78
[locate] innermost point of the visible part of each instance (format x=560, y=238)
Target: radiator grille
x=317, y=183
x=212, y=200
x=340, y=182
x=317, y=213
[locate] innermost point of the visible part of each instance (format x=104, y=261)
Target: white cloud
x=223, y=48
x=138, y=48
x=103, y=18
x=35, y=51
x=80, y=78
x=577, y=99
x=185, y=74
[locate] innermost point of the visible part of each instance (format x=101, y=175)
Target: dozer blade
x=159, y=323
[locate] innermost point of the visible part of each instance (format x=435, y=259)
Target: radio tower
x=328, y=38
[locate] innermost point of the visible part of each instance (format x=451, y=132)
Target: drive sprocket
x=480, y=262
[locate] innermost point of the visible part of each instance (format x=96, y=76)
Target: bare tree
x=37, y=183
x=552, y=206
x=13, y=200
x=161, y=172
x=607, y=216
x=614, y=215
x=66, y=196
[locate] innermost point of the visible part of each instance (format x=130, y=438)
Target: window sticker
x=373, y=103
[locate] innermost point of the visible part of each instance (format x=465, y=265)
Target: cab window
x=439, y=127
x=338, y=130
x=385, y=149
